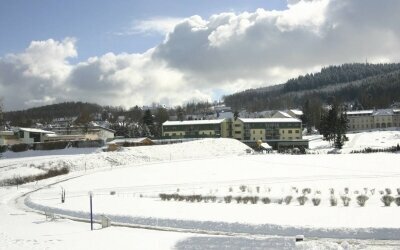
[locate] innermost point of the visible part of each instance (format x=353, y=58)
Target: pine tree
x=180, y=114
x=236, y=115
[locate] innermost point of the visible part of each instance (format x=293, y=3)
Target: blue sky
x=126, y=53
x=94, y=23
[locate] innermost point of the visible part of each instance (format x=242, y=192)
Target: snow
x=207, y=167
x=357, y=141
x=93, y=158
x=297, y=112
x=360, y=112
x=35, y=130
x=278, y=172
x=267, y=120
x=192, y=122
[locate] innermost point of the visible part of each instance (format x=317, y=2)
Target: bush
x=19, y=147
x=265, y=200
x=279, y=201
x=387, y=200
x=228, y=199
x=175, y=197
x=198, y=198
x=254, y=199
x=302, y=200
x=251, y=199
x=163, y=197
x=288, y=199
x=243, y=188
x=346, y=200
x=398, y=191
x=316, y=201
x=211, y=198
x=18, y=180
x=3, y=148
x=397, y=200
x=361, y=200
x=238, y=199
x=306, y=191
x=50, y=145
x=333, y=201
x=388, y=191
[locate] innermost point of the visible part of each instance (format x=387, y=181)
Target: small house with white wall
x=31, y=135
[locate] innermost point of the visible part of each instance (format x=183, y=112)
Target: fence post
x=91, y=210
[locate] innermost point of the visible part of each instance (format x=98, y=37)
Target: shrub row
x=377, y=150
x=316, y=201
x=21, y=147
x=22, y=180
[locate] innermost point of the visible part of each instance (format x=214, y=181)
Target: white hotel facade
x=373, y=119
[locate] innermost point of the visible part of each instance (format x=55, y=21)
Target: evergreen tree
x=180, y=114
x=1, y=113
x=148, y=124
x=334, y=125
x=236, y=115
x=148, y=118
x=160, y=117
x=306, y=118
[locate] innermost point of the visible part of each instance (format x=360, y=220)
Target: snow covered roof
x=192, y=122
x=360, y=112
x=382, y=112
x=35, y=130
x=297, y=112
x=284, y=114
x=129, y=140
x=267, y=120
x=265, y=145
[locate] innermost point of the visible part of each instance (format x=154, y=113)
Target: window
x=210, y=133
x=283, y=131
x=297, y=131
x=254, y=132
x=238, y=132
x=237, y=125
x=290, y=131
x=260, y=131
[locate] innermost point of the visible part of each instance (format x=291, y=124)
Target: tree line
x=363, y=86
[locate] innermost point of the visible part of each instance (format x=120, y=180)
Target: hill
x=365, y=85
x=49, y=112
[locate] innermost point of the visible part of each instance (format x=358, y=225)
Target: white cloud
x=158, y=25
x=225, y=53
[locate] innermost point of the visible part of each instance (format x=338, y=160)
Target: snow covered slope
x=358, y=141
x=90, y=159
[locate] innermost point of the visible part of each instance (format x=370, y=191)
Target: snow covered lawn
x=275, y=176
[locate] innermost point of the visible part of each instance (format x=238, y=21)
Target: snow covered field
x=213, y=167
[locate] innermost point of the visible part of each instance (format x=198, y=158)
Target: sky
x=127, y=53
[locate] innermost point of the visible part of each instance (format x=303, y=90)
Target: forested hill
x=367, y=85
x=49, y=112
